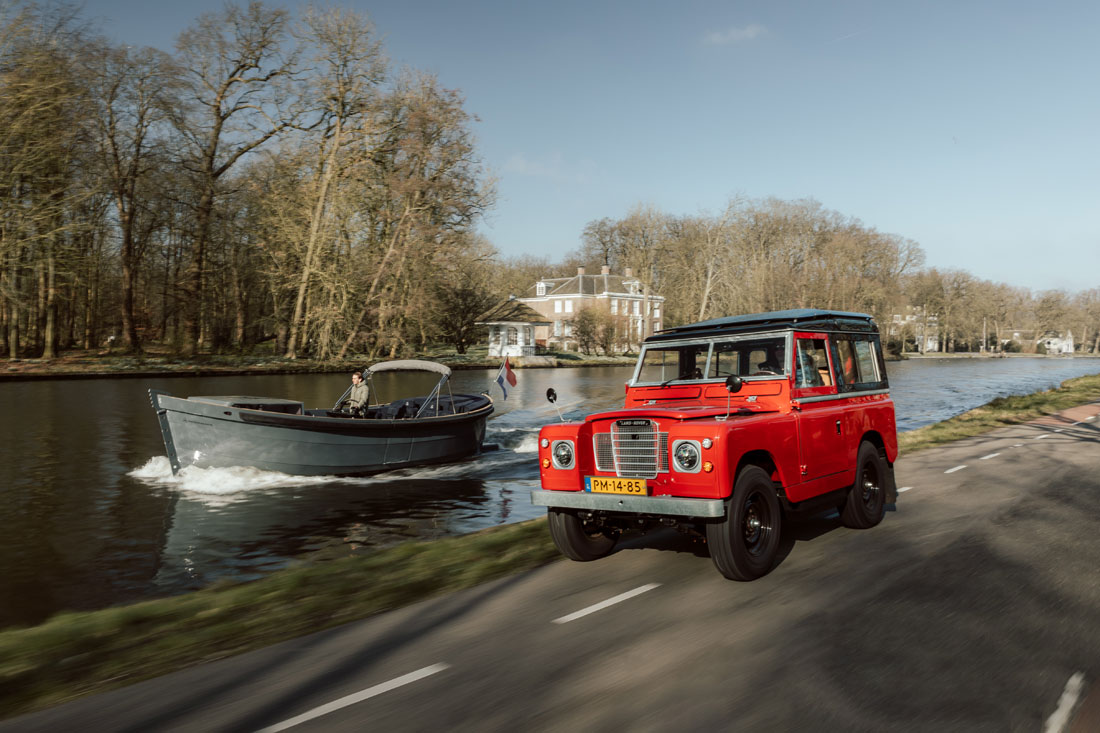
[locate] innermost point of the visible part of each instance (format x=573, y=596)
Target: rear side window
x=859, y=364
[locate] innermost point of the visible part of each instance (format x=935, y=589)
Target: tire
x=574, y=540
x=865, y=505
x=743, y=546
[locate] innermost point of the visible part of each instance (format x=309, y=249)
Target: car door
x=818, y=409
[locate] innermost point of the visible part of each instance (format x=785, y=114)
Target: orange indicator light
x=708, y=466
x=546, y=463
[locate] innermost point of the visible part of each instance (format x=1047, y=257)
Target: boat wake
x=219, y=481
x=515, y=449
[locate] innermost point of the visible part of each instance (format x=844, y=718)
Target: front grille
x=605, y=458
x=633, y=449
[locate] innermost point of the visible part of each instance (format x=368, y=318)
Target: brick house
x=559, y=300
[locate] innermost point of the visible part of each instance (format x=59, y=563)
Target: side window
x=847, y=371
x=811, y=364
x=858, y=363
x=866, y=361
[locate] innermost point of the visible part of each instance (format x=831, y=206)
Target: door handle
x=838, y=427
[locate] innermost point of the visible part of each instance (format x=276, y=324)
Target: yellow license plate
x=615, y=485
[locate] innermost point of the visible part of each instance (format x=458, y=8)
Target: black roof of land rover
x=804, y=319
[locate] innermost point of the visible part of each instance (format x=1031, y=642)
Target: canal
x=91, y=516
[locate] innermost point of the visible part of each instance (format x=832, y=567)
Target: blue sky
x=970, y=127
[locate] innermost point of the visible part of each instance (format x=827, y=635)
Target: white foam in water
x=529, y=444
x=219, y=481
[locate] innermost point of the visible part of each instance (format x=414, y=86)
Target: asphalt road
x=974, y=606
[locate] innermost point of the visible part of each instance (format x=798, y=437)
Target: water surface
x=90, y=514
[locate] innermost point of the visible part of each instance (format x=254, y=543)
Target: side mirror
x=733, y=384
x=551, y=395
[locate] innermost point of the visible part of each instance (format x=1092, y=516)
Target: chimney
x=605, y=270
x=580, y=270
x=628, y=272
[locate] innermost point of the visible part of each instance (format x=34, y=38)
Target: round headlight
x=687, y=456
x=563, y=454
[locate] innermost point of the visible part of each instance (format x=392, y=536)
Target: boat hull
x=208, y=435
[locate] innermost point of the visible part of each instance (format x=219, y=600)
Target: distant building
x=1054, y=342
x=512, y=328
x=558, y=300
x=916, y=324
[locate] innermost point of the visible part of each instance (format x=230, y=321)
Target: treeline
x=763, y=255
x=273, y=179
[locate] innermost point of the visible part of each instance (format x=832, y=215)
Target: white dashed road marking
x=1059, y=430
x=604, y=604
x=991, y=455
x=1018, y=445
x=904, y=488
x=1056, y=723
x=1040, y=437
x=360, y=696
x=956, y=468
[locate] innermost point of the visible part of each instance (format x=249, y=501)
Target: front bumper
x=668, y=505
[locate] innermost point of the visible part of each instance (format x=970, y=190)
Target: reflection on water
x=91, y=515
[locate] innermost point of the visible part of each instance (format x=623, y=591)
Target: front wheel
x=575, y=540
x=743, y=546
x=865, y=505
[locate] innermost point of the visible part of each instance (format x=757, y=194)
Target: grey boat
x=276, y=434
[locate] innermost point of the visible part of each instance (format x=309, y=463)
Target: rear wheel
x=744, y=545
x=865, y=505
x=575, y=540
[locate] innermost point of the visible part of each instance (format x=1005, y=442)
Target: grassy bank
x=1002, y=412
x=74, y=654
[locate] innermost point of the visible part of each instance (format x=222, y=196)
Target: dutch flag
x=505, y=374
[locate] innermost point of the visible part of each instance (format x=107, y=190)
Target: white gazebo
x=512, y=328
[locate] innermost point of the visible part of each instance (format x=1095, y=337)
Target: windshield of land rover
x=751, y=357
x=759, y=357
x=668, y=363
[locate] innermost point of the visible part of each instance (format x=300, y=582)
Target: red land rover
x=730, y=426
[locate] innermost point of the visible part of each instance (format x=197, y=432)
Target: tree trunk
x=193, y=289
x=126, y=255
x=49, y=331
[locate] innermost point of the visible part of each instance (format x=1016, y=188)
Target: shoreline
x=105, y=366
x=78, y=653
x=131, y=367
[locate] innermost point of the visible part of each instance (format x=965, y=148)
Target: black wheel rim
x=756, y=524
x=870, y=485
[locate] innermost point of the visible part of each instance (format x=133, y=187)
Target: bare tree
x=236, y=73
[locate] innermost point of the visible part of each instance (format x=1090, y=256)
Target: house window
x=637, y=307
x=557, y=306
x=540, y=289
x=568, y=306
x=656, y=311
x=513, y=336
x=568, y=329
x=614, y=307
x=557, y=328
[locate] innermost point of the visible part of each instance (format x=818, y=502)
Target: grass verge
x=1002, y=412
x=75, y=654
